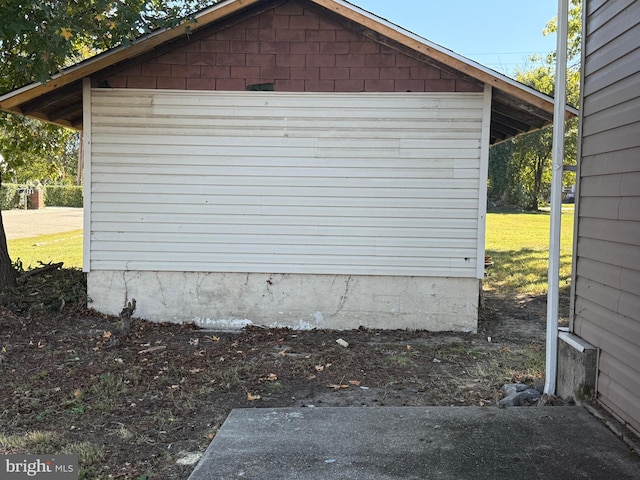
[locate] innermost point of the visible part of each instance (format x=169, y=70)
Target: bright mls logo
x=50, y=467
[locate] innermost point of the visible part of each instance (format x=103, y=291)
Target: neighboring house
x=606, y=287
x=301, y=164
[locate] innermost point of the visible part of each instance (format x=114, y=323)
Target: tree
x=520, y=169
x=41, y=37
x=33, y=150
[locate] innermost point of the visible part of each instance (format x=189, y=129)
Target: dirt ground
x=143, y=405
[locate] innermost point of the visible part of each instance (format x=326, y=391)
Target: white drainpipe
x=556, y=199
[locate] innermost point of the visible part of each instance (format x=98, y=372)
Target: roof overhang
x=516, y=108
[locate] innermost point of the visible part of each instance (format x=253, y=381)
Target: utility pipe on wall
x=553, y=286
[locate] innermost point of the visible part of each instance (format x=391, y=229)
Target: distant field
x=60, y=247
x=518, y=243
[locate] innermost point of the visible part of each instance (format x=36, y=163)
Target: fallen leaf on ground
x=336, y=386
x=355, y=382
x=152, y=349
x=252, y=398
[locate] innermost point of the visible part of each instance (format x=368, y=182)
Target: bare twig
x=39, y=271
x=125, y=316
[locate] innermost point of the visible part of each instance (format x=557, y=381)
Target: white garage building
x=296, y=163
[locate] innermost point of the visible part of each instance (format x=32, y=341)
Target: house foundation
x=341, y=302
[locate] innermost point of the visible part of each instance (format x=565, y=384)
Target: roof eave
x=11, y=101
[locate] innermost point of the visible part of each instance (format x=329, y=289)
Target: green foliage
x=9, y=197
x=520, y=169
x=574, y=32
x=54, y=195
x=32, y=150
x=63, y=196
x=40, y=37
x=499, y=167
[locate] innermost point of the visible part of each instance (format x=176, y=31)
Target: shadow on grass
x=524, y=271
x=522, y=275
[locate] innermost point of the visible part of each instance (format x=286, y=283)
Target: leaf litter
x=172, y=385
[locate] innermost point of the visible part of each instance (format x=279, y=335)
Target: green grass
x=519, y=245
x=60, y=247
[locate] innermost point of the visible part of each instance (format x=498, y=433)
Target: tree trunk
x=8, y=274
x=540, y=164
x=537, y=184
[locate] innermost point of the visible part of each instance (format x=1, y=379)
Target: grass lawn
x=519, y=245
x=60, y=247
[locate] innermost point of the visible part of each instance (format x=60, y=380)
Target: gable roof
x=516, y=108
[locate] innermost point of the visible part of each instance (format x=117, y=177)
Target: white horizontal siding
x=271, y=182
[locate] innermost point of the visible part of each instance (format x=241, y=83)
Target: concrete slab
x=415, y=443
x=31, y=223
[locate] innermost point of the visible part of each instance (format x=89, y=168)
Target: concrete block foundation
x=234, y=300
x=577, y=368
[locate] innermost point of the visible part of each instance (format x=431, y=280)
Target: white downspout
x=556, y=198
x=86, y=161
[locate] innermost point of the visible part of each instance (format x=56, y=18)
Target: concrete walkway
x=31, y=223
x=369, y=443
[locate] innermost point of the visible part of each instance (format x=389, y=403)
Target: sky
x=499, y=34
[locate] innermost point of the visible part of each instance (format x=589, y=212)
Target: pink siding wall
x=295, y=49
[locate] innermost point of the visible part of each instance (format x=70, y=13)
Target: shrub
x=54, y=196
x=63, y=196
x=9, y=197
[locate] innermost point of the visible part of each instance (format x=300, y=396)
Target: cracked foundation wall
x=233, y=300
